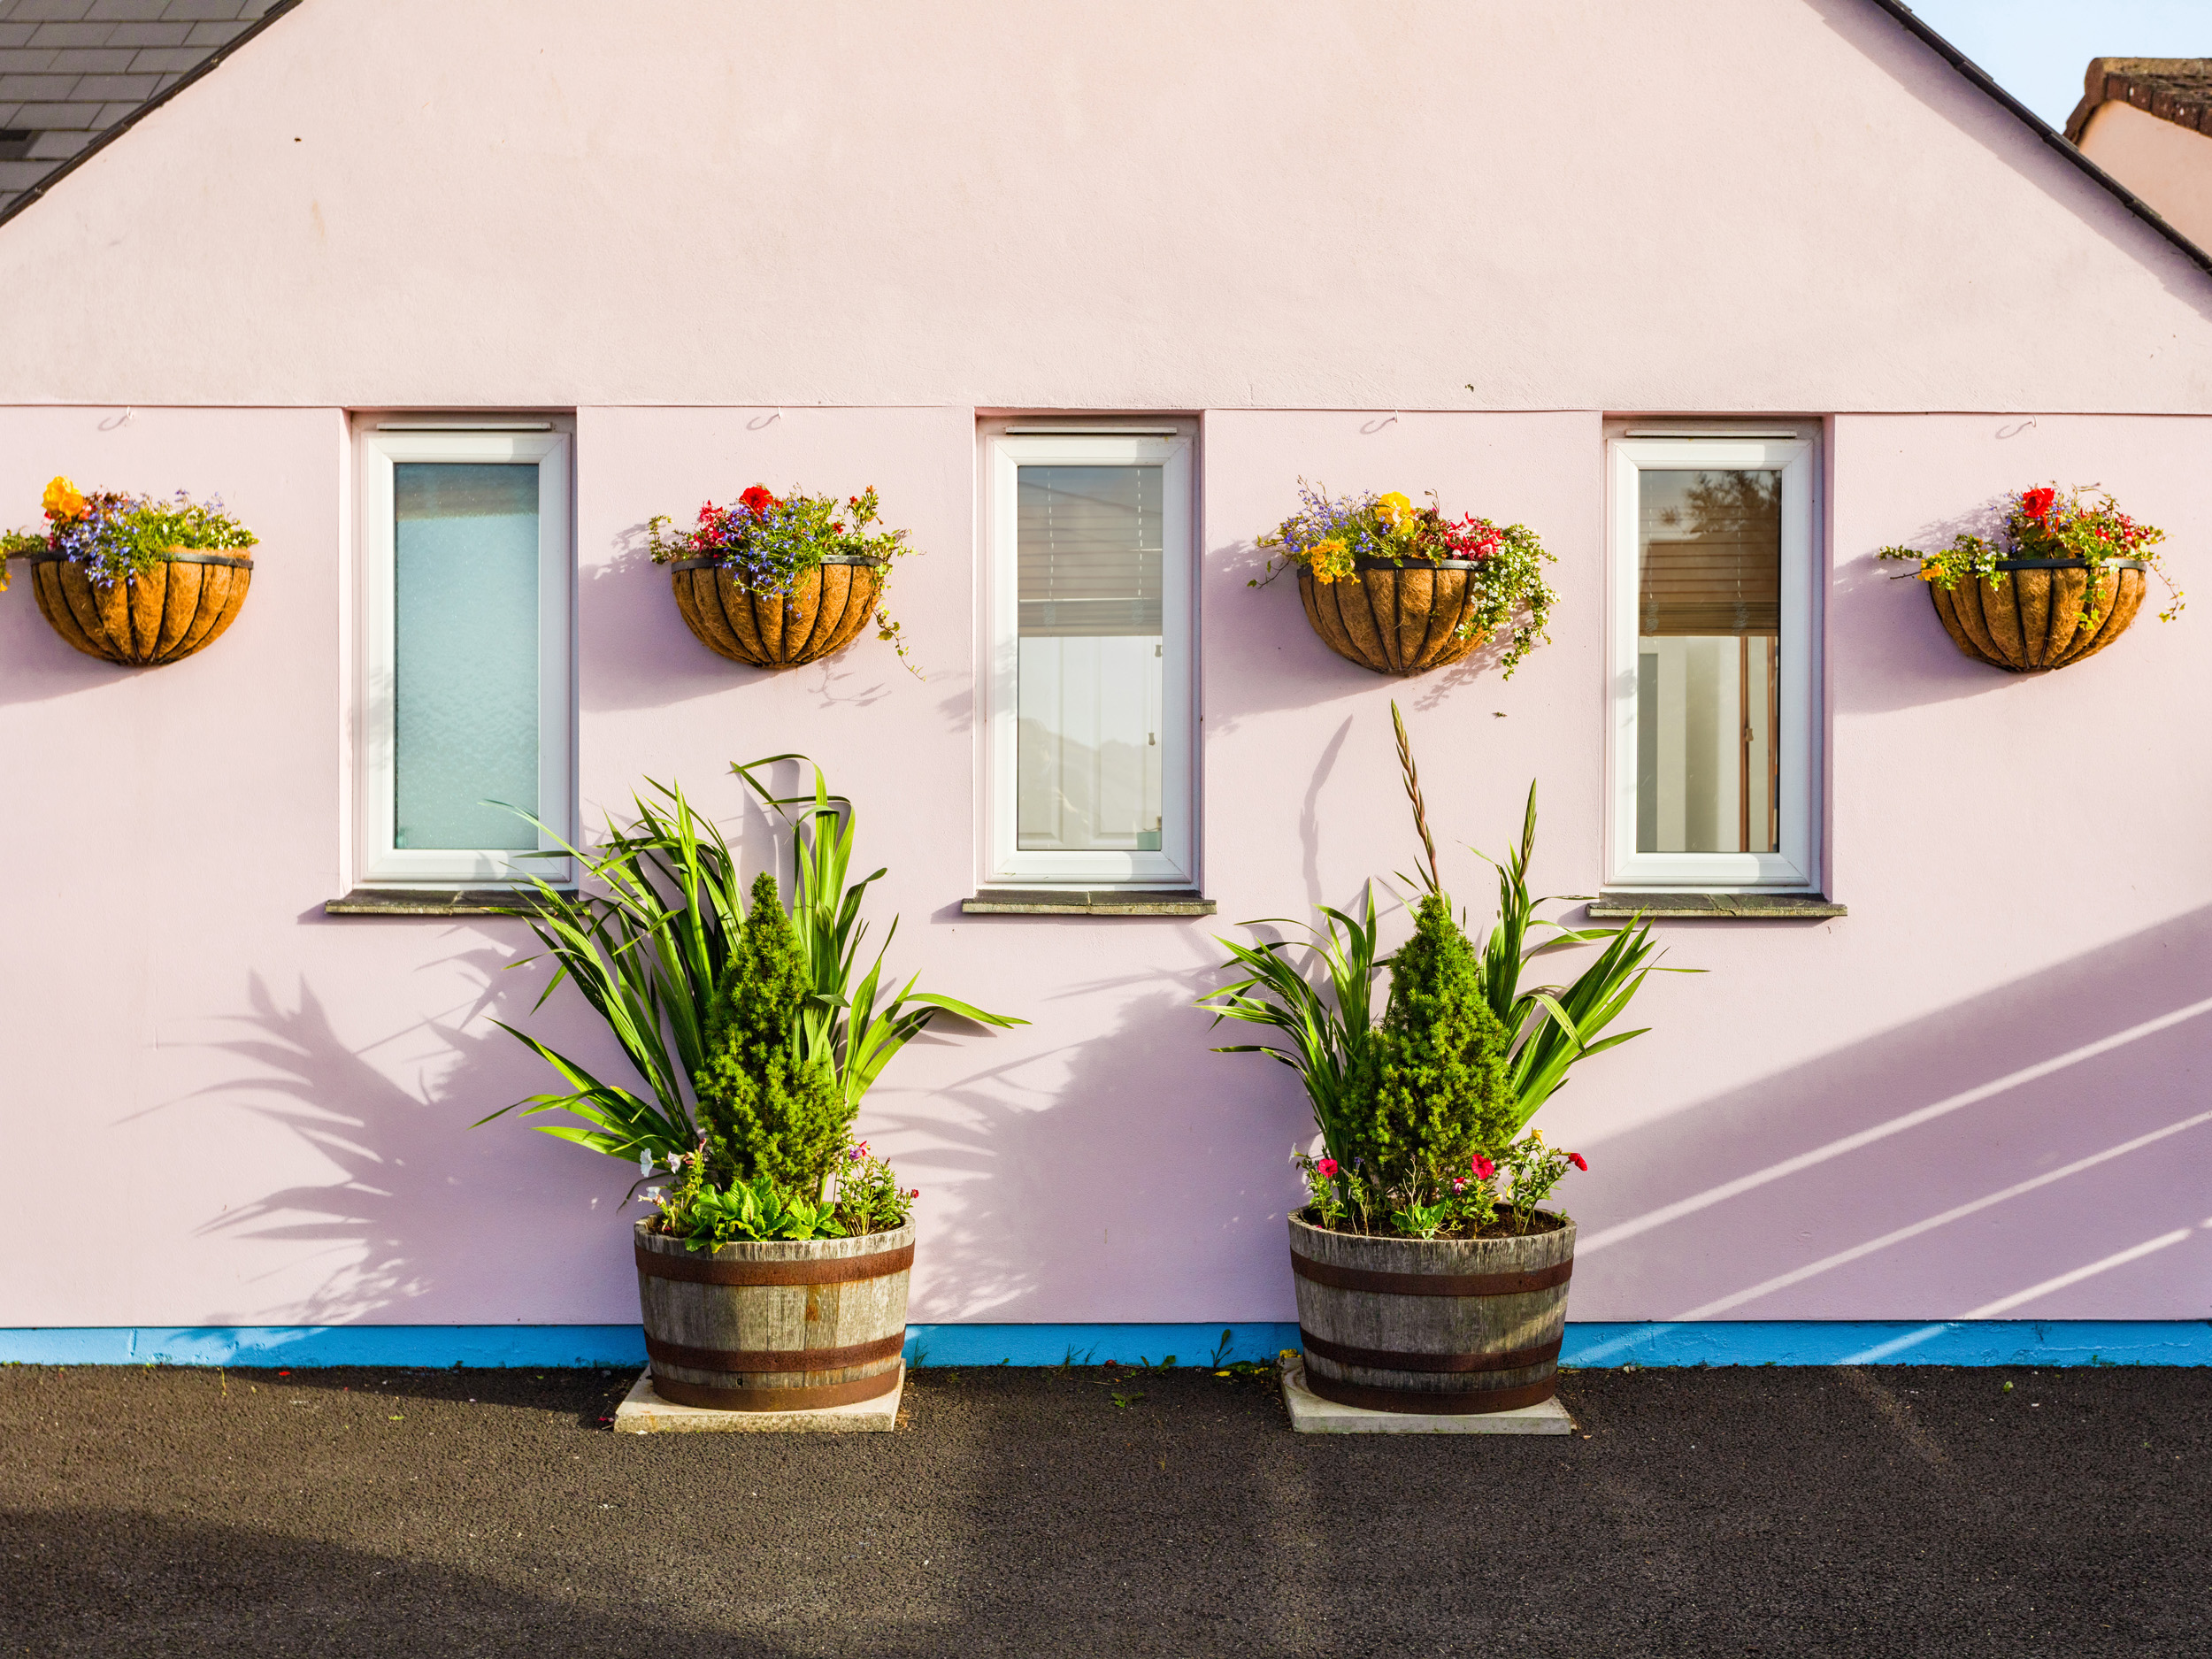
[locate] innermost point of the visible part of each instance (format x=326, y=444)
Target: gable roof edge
x=206, y=67
x=1911, y=21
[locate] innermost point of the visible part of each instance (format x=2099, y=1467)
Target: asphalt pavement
x=1860, y=1513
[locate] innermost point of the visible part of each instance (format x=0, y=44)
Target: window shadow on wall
x=2037, y=1150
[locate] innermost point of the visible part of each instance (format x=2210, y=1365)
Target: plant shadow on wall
x=2036, y=1148
x=404, y=1197
x=636, y=652
x=1101, y=1175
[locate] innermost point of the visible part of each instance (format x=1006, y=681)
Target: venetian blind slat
x=1091, y=554
x=1711, y=560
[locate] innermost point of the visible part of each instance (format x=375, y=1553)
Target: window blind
x=1090, y=550
x=1712, y=553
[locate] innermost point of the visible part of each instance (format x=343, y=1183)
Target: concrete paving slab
x=644, y=1412
x=1310, y=1414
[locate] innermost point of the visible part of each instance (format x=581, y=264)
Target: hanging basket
x=2033, y=620
x=1394, y=616
x=824, y=612
x=149, y=618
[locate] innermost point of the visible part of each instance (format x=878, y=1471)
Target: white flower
x=645, y=1162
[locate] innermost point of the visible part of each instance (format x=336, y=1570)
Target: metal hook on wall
x=112, y=422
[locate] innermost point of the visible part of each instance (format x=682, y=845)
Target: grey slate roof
x=73, y=70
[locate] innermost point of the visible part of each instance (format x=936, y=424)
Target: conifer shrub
x=1432, y=1089
x=766, y=1108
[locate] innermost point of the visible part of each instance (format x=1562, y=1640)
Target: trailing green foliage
x=770, y=1108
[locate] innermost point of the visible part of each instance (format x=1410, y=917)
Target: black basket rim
x=1369, y=563
x=2069, y=564
x=827, y=558
x=175, y=556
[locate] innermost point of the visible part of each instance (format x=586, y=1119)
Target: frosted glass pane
x=1708, y=590
x=1091, y=666
x=464, y=655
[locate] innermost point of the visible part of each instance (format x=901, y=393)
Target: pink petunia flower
x=1575, y=1158
x=1483, y=1167
x=1326, y=1169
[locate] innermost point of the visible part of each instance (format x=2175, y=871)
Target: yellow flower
x=1394, y=509
x=1330, y=559
x=64, y=499
x=1929, y=572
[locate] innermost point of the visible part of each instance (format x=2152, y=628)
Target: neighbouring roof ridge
x=76, y=75
x=2176, y=89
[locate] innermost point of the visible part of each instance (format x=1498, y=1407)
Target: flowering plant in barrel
x=1402, y=589
x=756, y=1028
x=138, y=579
x=2059, y=578
x=776, y=580
x=1429, y=1277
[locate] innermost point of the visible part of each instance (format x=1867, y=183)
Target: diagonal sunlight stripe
x=1989, y=1310
x=1814, y=1269
x=1981, y=1092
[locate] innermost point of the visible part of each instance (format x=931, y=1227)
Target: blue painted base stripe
x=1717, y=1342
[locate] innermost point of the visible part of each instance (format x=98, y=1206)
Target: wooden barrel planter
x=824, y=612
x=2033, y=620
x=161, y=615
x=1394, y=616
x=789, y=1326
x=1458, y=1326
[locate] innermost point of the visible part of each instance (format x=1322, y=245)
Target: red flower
x=2036, y=502
x=1326, y=1169
x=1575, y=1158
x=1483, y=1167
x=758, y=501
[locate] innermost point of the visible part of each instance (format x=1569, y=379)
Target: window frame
x=378, y=861
x=1036, y=443
x=1795, y=866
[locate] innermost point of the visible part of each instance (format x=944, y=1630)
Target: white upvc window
x=1089, y=672
x=464, y=703
x=1713, y=740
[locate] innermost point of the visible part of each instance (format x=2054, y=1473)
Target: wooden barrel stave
x=1496, y=1350
x=741, y=1346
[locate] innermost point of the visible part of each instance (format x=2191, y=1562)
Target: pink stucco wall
x=229, y=1108
x=245, y=1113
x=2169, y=166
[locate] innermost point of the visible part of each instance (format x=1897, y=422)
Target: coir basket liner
x=824, y=610
x=180, y=606
x=1394, y=616
x=2037, y=618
